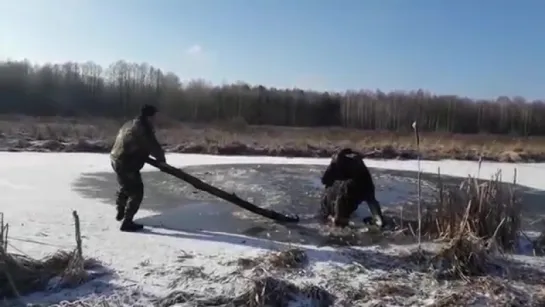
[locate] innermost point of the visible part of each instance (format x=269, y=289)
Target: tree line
x=87, y=89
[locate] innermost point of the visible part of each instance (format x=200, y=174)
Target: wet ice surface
x=293, y=189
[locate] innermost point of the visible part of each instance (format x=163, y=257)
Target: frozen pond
x=284, y=188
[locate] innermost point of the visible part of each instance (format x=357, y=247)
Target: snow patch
x=37, y=202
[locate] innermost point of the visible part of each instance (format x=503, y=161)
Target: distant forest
x=87, y=89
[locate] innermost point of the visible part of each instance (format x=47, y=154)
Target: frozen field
x=189, y=230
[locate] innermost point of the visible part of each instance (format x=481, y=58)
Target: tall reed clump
x=473, y=218
x=485, y=209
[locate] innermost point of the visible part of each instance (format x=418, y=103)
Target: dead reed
x=463, y=257
x=21, y=275
x=292, y=258
x=488, y=210
x=474, y=218
x=269, y=291
x=261, y=291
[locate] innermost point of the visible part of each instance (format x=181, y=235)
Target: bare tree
x=84, y=89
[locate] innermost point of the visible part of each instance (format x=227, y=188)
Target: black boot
x=132, y=207
x=129, y=226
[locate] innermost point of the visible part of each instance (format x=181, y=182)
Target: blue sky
x=479, y=48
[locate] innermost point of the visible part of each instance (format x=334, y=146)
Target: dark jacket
x=134, y=143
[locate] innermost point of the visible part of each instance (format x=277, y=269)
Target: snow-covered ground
x=37, y=200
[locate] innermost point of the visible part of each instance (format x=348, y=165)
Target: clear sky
x=476, y=48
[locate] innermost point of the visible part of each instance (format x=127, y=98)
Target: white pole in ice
x=417, y=138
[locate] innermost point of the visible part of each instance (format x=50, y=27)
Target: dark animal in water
x=348, y=183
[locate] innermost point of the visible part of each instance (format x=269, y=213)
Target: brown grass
x=291, y=258
x=21, y=275
x=234, y=138
x=477, y=220
x=387, y=289
x=269, y=291
x=483, y=209
x=495, y=291
x=463, y=257
x=262, y=291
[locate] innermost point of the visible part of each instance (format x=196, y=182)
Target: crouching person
x=134, y=143
x=348, y=183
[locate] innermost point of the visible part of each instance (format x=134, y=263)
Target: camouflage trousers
x=131, y=190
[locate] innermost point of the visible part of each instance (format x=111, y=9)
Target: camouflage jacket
x=134, y=143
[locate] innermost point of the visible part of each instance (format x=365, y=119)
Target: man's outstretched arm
x=156, y=150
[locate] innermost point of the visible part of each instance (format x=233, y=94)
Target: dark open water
x=285, y=188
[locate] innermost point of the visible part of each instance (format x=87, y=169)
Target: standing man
x=134, y=143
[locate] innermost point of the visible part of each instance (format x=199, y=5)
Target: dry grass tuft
x=247, y=263
x=266, y=291
x=488, y=210
x=476, y=218
x=490, y=219
x=489, y=291
x=501, y=292
x=384, y=289
x=289, y=259
x=464, y=256
x=292, y=258
x=353, y=236
x=20, y=275
x=194, y=299
x=418, y=256
x=269, y=291
x=127, y=298
x=189, y=273
x=450, y=300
